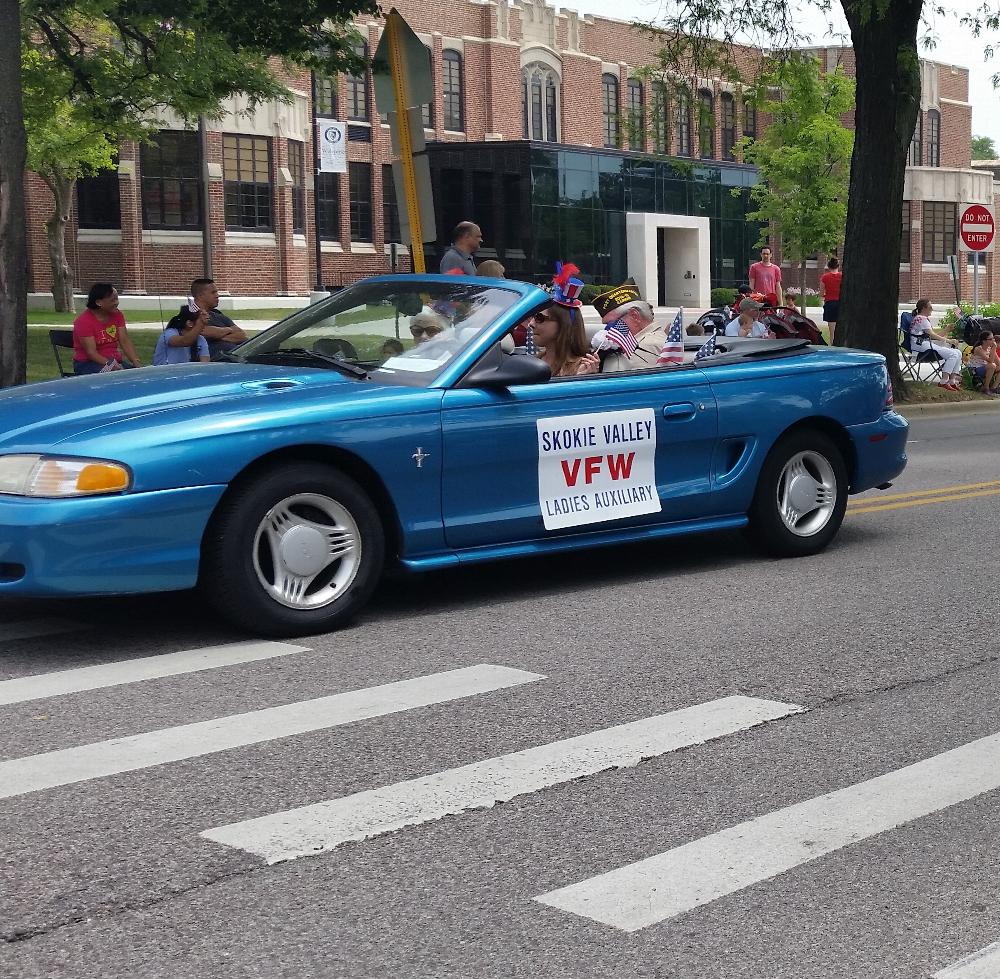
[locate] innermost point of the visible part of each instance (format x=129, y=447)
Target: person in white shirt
x=925, y=338
x=747, y=324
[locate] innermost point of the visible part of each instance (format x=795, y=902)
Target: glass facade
x=536, y=205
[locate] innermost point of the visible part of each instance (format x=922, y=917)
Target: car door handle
x=679, y=411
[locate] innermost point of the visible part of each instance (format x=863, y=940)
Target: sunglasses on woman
x=430, y=331
x=541, y=317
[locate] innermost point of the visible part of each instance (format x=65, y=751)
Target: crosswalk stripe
x=670, y=883
x=35, y=628
x=131, y=671
x=34, y=773
x=323, y=826
x=984, y=964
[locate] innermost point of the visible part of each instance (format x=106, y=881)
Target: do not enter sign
x=977, y=228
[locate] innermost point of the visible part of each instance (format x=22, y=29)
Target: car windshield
x=403, y=332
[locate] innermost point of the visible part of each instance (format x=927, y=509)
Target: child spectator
x=182, y=341
x=100, y=335
x=695, y=330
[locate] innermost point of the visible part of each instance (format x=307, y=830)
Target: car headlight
x=58, y=476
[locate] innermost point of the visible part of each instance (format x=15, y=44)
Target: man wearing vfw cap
x=625, y=307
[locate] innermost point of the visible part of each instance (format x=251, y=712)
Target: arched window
x=609, y=84
x=636, y=115
x=749, y=119
x=706, y=124
x=933, y=138
x=728, y=106
x=451, y=83
x=683, y=124
x=660, y=129
x=357, y=88
x=540, y=87
x=916, y=143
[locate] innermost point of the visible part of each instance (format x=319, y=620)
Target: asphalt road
x=888, y=640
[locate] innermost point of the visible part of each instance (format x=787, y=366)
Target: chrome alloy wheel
x=307, y=551
x=807, y=493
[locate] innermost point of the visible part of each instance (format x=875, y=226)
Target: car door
x=576, y=455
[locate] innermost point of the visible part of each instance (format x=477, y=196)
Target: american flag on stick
x=672, y=351
x=530, y=347
x=621, y=336
x=707, y=349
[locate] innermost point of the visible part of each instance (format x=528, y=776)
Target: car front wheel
x=801, y=495
x=293, y=551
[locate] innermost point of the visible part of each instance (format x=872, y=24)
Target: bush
x=948, y=324
x=590, y=292
x=723, y=297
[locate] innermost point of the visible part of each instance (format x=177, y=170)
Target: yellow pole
x=396, y=70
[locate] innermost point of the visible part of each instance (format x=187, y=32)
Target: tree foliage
x=983, y=148
x=803, y=156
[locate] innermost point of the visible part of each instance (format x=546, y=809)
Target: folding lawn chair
x=62, y=339
x=909, y=361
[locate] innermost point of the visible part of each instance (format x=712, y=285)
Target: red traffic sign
x=977, y=227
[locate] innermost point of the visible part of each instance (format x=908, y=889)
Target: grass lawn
x=924, y=393
x=154, y=315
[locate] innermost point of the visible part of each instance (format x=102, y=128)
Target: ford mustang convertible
x=396, y=423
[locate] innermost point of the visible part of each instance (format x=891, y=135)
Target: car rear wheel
x=801, y=495
x=293, y=551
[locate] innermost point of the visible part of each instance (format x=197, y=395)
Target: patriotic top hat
x=565, y=288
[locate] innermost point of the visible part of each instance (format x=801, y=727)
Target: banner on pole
x=332, y=146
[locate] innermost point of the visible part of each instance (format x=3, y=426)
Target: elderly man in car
x=623, y=311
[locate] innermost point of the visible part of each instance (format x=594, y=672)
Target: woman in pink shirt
x=100, y=335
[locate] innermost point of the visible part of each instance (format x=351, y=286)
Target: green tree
x=804, y=158
x=983, y=148
x=94, y=72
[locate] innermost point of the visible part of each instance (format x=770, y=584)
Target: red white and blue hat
x=566, y=288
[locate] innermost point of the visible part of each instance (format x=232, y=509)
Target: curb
x=948, y=408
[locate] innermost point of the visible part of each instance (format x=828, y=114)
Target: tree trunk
x=55, y=231
x=888, y=97
x=13, y=236
x=802, y=288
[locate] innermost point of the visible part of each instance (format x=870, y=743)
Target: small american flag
x=706, y=349
x=530, y=346
x=672, y=351
x=621, y=336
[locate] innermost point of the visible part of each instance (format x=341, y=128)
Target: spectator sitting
x=220, y=331
x=746, y=323
x=984, y=362
x=391, y=348
x=491, y=269
x=695, y=330
x=925, y=339
x=182, y=341
x=98, y=333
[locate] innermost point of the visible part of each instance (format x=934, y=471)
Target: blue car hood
x=50, y=412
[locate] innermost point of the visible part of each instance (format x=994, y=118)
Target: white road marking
x=131, y=671
x=323, y=826
x=984, y=964
x=128, y=754
x=33, y=628
x=679, y=880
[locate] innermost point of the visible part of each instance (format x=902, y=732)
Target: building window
x=660, y=122
x=297, y=168
x=325, y=96
x=610, y=86
x=938, y=232
x=540, y=90
x=98, y=204
x=328, y=206
x=933, y=138
x=390, y=208
x=916, y=143
x=683, y=125
x=749, y=119
x=171, y=184
x=427, y=109
x=706, y=124
x=246, y=168
x=636, y=115
x=357, y=88
x=904, y=239
x=728, y=106
x=359, y=187
x=451, y=82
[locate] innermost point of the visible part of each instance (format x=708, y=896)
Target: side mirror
x=498, y=370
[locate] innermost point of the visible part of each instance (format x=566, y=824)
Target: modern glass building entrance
x=538, y=203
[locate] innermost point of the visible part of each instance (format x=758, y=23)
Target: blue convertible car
x=283, y=481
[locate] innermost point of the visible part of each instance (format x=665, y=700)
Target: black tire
x=768, y=528
x=235, y=561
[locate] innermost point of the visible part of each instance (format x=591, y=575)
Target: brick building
x=540, y=129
